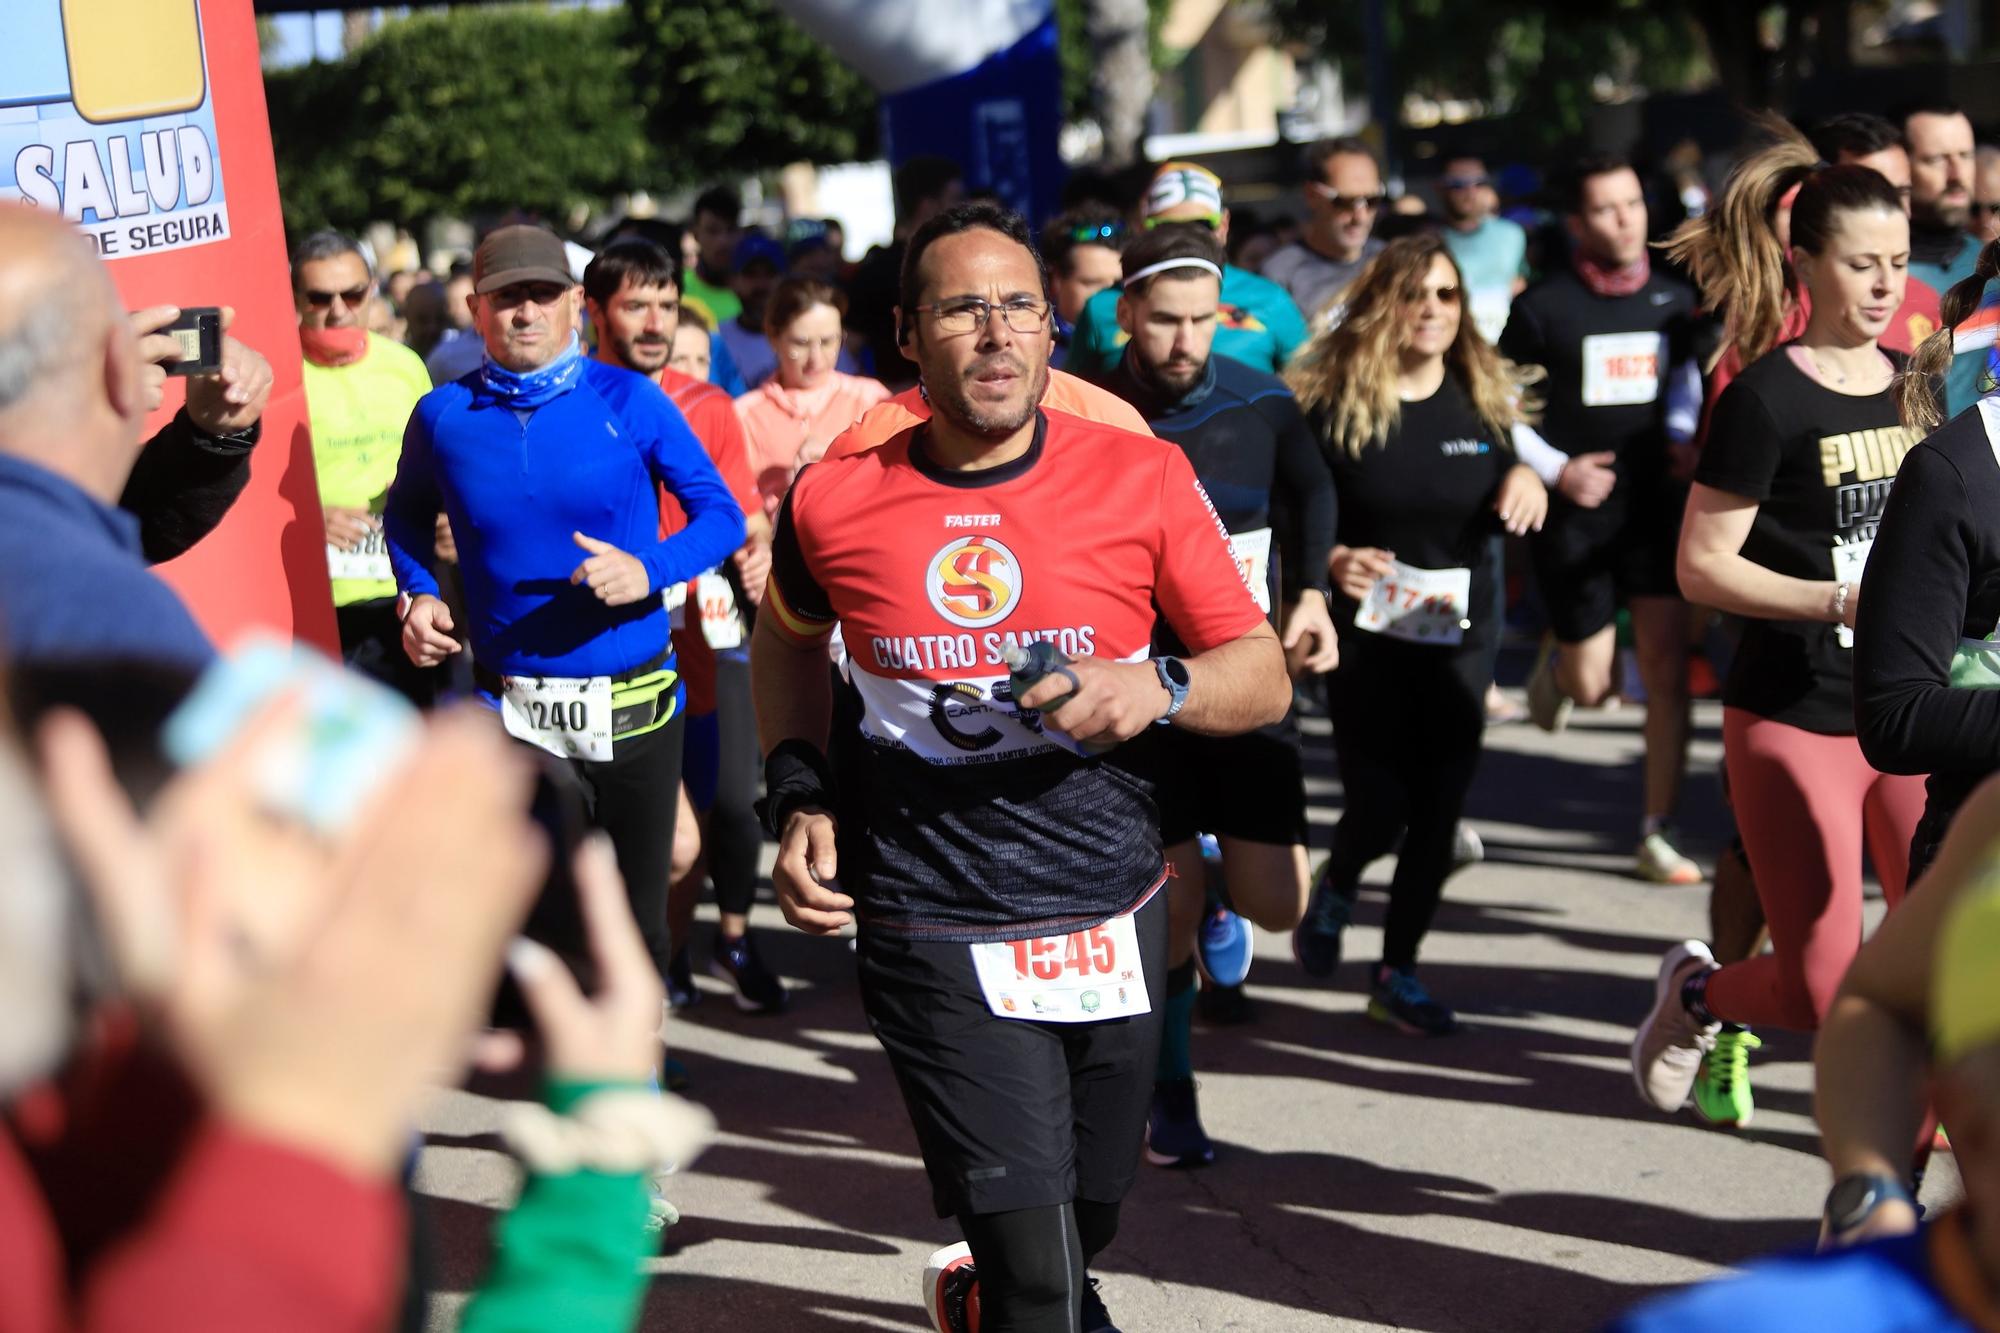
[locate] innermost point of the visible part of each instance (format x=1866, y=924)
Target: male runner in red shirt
x=1001, y=852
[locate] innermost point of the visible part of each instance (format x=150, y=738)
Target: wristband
x=1840, y=592
x=795, y=774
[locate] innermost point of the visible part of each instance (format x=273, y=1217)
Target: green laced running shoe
x=1722, y=1088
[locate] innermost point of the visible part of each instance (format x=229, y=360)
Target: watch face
x=1176, y=670
x=1852, y=1199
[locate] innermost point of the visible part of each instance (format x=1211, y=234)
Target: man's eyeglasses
x=1349, y=203
x=969, y=314
x=1465, y=182
x=320, y=300
x=1107, y=233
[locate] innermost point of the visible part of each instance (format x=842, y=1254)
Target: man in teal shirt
x=1940, y=142
x=1491, y=252
x=1256, y=323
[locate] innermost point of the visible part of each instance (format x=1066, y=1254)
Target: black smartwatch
x=1174, y=680
x=1854, y=1197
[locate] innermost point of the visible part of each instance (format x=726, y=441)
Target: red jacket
x=128, y=1208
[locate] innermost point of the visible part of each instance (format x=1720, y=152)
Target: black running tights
x=1031, y=1263
x=1408, y=720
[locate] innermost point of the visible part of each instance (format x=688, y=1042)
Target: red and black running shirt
x=974, y=823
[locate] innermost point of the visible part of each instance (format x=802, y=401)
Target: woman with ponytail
x=1927, y=653
x=1800, y=456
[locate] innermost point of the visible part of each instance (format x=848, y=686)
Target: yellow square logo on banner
x=130, y=59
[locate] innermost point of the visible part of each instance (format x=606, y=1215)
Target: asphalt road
x=1504, y=1178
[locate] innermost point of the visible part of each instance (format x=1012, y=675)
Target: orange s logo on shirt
x=974, y=582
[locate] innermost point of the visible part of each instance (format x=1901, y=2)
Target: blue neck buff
x=522, y=390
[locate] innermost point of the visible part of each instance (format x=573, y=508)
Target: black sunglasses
x=319, y=300
x=1465, y=182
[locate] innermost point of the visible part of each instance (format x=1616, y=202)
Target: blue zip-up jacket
x=517, y=485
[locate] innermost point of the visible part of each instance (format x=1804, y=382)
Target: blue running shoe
x=1316, y=940
x=1225, y=946
x=1399, y=1000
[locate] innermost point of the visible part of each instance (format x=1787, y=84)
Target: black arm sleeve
x=1302, y=503
x=1911, y=617
x=183, y=484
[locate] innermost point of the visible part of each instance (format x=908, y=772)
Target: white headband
x=1166, y=264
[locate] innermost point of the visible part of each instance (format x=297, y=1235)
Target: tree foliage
x=1543, y=60
x=464, y=113
x=482, y=111
x=733, y=86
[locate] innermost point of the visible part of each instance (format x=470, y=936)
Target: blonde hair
x=1920, y=387
x=1732, y=251
x=1350, y=369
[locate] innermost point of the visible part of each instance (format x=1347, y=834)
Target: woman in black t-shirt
x=1413, y=410
x=1799, y=460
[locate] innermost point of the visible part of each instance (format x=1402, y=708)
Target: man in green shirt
x=717, y=227
x=360, y=389
x=1257, y=323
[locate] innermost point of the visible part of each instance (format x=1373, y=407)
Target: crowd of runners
x=977, y=589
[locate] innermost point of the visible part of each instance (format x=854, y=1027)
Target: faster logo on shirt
x=974, y=582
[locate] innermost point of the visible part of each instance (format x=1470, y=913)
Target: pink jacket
x=784, y=429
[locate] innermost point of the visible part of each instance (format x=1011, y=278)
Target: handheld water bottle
x=1028, y=665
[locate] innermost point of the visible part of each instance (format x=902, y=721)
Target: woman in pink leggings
x=1800, y=457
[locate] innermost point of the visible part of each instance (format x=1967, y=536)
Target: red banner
x=143, y=122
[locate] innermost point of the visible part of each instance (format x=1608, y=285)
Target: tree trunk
x=1735, y=45
x=355, y=25
x=1121, y=81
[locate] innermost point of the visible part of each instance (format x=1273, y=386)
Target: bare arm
x=794, y=700
x=1870, y=1060
x=1713, y=570
x=1236, y=686
x=789, y=688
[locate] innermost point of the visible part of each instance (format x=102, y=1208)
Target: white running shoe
x=1668, y=1048
x=1660, y=862
x=951, y=1289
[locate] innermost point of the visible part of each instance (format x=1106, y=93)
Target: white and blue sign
x=106, y=117
x=977, y=81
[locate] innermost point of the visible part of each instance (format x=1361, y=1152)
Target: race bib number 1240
x=569, y=718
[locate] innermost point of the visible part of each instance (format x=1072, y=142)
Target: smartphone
x=199, y=333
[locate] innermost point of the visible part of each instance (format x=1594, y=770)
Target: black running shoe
x=1316, y=940
x=1174, y=1136
x=681, y=993
x=758, y=990
x=1095, y=1318
x=1225, y=1006
x=1400, y=1001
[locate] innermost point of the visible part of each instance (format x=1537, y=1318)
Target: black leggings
x=632, y=797
x=1408, y=721
x=735, y=836
x=1031, y=1263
